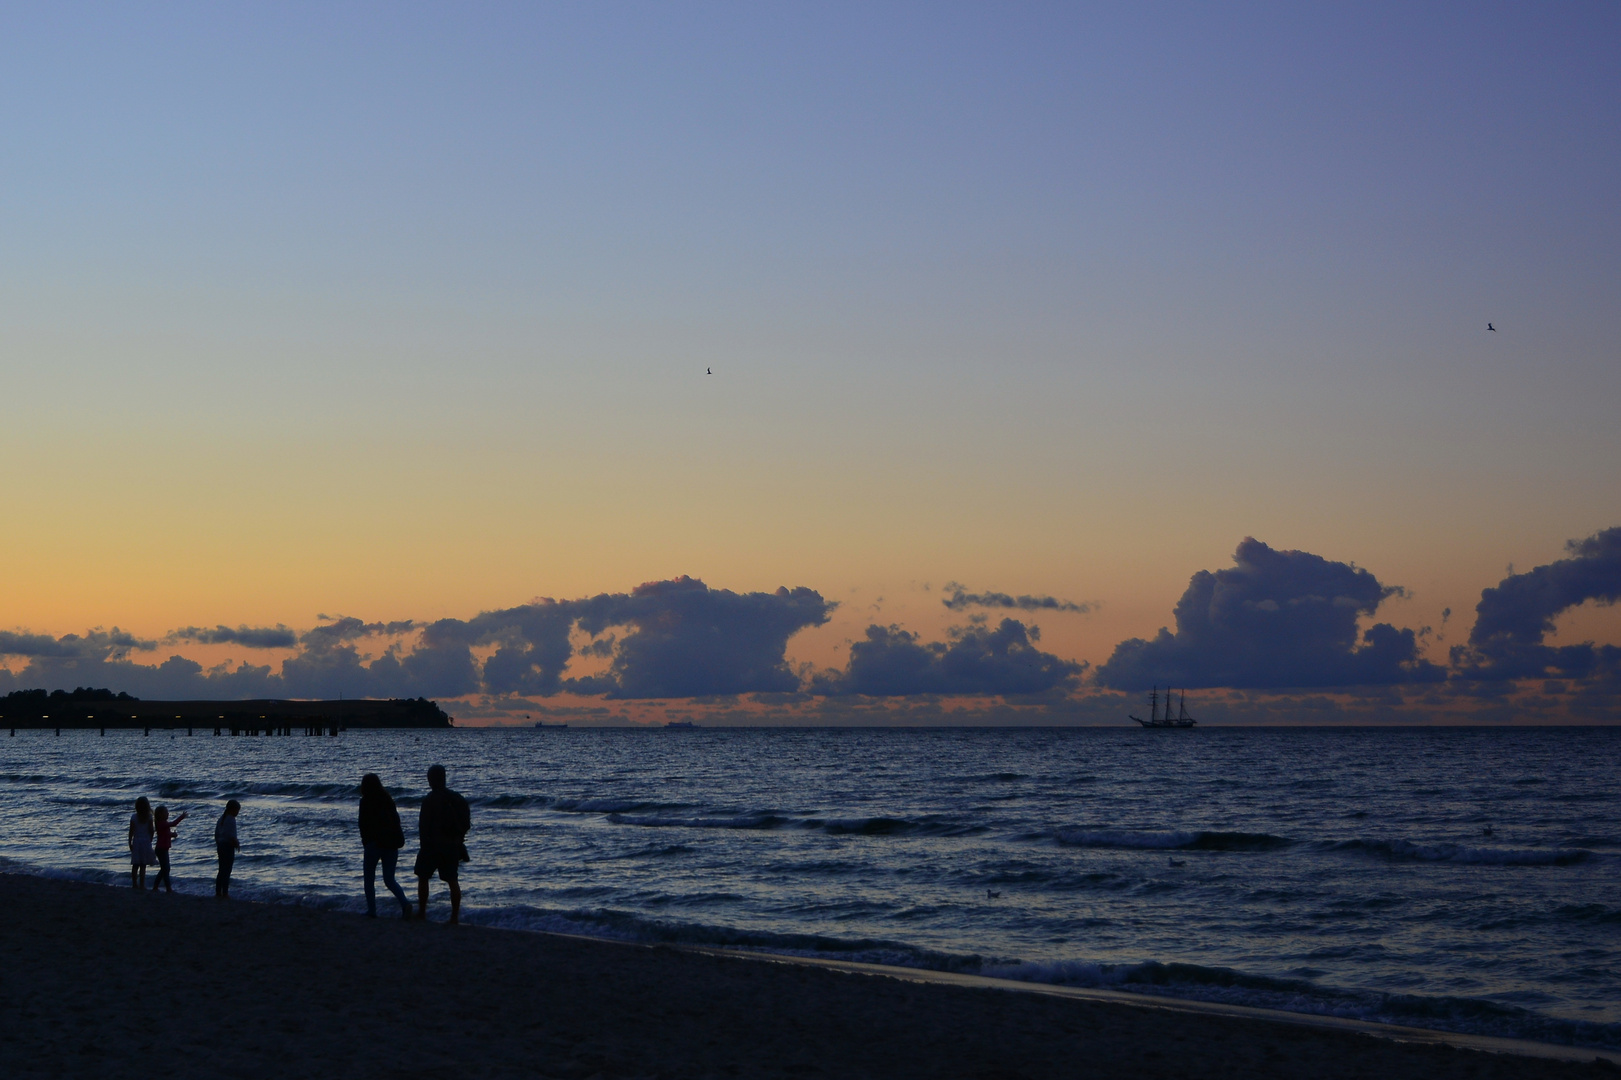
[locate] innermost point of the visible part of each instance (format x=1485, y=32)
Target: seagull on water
x=1492, y=328
x=1177, y=862
x=991, y=894
x=707, y=371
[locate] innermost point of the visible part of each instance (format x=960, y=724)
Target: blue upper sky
x=404, y=311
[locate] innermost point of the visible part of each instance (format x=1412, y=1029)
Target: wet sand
x=98, y=981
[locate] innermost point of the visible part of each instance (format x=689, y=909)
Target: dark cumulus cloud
x=688, y=640
x=892, y=662
x=960, y=599
x=1274, y=620
x=1515, y=616
x=249, y=637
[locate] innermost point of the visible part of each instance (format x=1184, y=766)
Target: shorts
x=442, y=861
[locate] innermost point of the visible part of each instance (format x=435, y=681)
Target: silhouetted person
x=164, y=829
x=381, y=837
x=226, y=845
x=140, y=842
x=442, y=827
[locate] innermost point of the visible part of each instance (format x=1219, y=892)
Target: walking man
x=442, y=828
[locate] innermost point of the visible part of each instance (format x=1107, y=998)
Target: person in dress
x=140, y=842
x=381, y=838
x=226, y=845
x=442, y=828
x=164, y=828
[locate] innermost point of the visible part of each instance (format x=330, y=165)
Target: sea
x=1466, y=879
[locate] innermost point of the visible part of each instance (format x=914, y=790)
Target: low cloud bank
x=1514, y=618
x=1274, y=620
x=677, y=639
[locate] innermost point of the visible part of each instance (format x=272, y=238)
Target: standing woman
x=382, y=838
x=140, y=842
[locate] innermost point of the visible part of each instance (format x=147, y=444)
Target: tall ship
x=1158, y=720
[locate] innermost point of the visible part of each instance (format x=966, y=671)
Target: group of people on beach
x=442, y=827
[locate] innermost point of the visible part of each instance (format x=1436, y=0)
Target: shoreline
x=1378, y=1028
x=1395, y=1032
x=82, y=960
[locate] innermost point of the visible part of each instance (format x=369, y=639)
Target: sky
x=359, y=321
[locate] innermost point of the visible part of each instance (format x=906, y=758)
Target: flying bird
x=1492, y=328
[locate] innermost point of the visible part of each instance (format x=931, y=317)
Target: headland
x=104, y=709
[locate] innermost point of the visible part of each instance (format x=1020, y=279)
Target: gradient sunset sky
x=404, y=312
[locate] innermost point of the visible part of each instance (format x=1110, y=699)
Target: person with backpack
x=442, y=830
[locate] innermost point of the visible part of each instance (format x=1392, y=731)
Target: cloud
x=250, y=637
x=961, y=599
x=94, y=644
x=345, y=628
x=688, y=640
x=1275, y=620
x=675, y=639
x=1513, y=618
x=892, y=662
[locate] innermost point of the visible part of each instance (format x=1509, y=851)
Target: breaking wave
x=1172, y=841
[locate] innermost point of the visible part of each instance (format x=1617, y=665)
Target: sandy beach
x=99, y=981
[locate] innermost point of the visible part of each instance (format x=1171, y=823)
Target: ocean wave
x=616, y=925
x=760, y=820
x=654, y=851
x=1588, y=913
x=1225, y=985
x=575, y=805
x=1184, y=981
x=1172, y=841
x=1408, y=851
x=888, y=826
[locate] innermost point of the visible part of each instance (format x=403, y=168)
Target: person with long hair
x=140, y=843
x=381, y=838
x=164, y=828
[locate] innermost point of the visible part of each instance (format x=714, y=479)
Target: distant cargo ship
x=1155, y=720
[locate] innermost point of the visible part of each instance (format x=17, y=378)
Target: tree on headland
x=79, y=693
